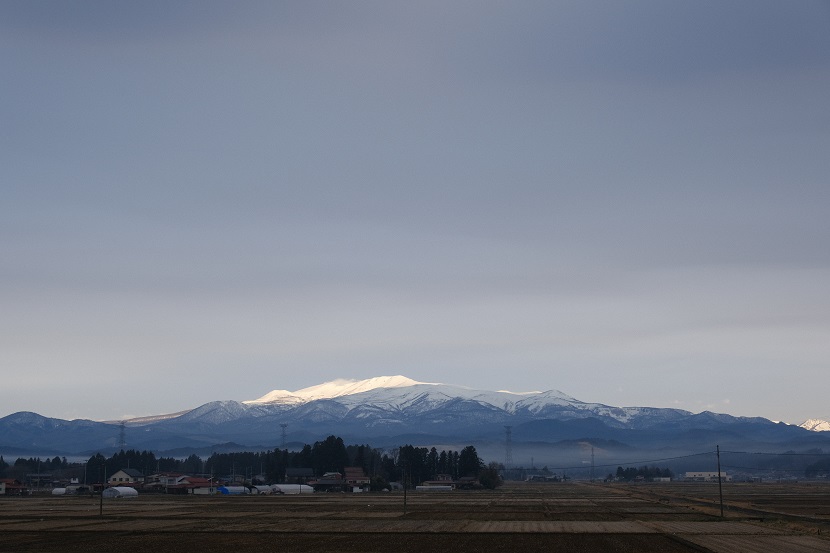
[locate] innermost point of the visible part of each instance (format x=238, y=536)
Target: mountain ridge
x=384, y=410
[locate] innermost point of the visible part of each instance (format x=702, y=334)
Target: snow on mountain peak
x=345, y=387
x=398, y=392
x=817, y=425
x=335, y=388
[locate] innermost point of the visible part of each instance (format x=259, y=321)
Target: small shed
x=120, y=491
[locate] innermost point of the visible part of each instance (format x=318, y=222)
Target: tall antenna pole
x=122, y=436
x=508, y=446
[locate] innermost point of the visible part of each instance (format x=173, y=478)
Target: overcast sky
x=625, y=201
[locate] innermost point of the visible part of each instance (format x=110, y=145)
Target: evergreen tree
x=443, y=466
x=329, y=455
x=469, y=463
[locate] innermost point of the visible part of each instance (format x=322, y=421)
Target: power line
x=786, y=454
x=629, y=463
x=768, y=469
x=722, y=452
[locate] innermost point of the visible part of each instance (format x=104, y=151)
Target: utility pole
x=720, y=481
x=103, y=479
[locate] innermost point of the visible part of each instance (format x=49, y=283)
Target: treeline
x=35, y=464
x=407, y=464
x=646, y=473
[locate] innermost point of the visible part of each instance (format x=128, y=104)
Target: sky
x=624, y=201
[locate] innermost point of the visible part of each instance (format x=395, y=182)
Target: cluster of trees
x=407, y=464
x=417, y=464
x=36, y=464
x=646, y=472
x=23, y=466
x=144, y=461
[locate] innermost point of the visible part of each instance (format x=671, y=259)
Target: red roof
x=198, y=480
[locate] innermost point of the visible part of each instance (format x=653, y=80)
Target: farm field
x=659, y=517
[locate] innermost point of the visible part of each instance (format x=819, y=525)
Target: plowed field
x=522, y=517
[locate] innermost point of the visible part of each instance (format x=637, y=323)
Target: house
x=329, y=482
x=10, y=486
x=467, y=483
x=193, y=485
x=298, y=475
x=356, y=478
x=440, y=480
x=38, y=480
x=162, y=480
x=126, y=477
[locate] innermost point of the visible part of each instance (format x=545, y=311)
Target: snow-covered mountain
x=400, y=397
x=390, y=410
x=816, y=425
x=332, y=389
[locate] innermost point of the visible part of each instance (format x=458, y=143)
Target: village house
x=440, y=480
x=356, y=478
x=329, y=482
x=192, y=485
x=10, y=486
x=126, y=477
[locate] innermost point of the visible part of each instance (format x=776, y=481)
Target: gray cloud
x=297, y=192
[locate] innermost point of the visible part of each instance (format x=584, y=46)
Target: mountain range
x=389, y=411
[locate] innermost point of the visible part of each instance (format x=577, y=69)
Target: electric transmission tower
x=122, y=436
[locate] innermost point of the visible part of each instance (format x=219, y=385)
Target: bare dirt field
x=574, y=517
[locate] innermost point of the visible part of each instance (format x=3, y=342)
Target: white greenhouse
x=120, y=491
